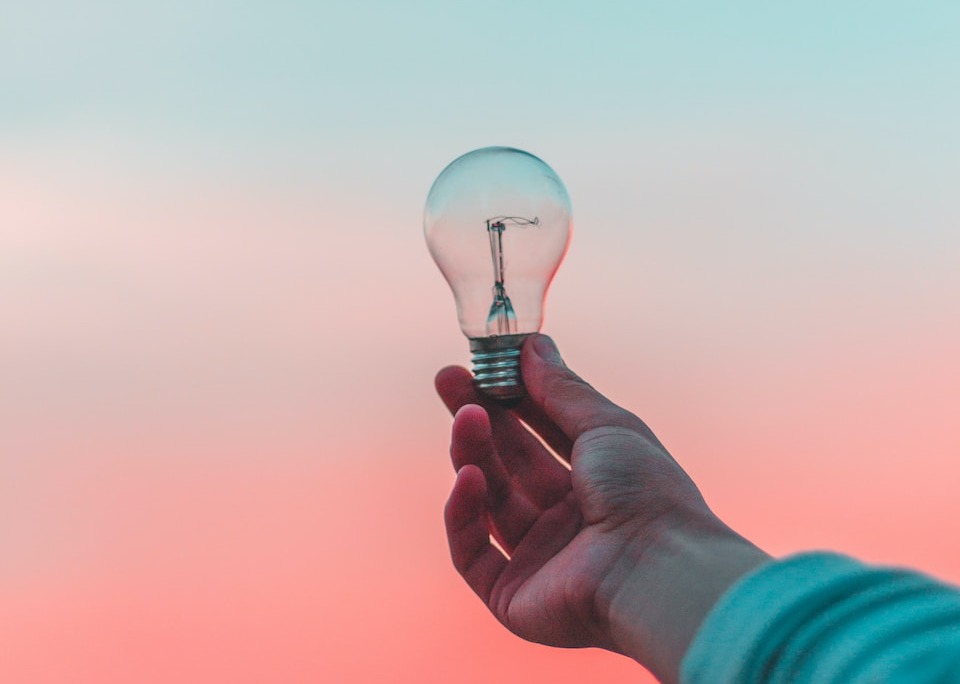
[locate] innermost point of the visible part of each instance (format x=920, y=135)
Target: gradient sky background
x=221, y=459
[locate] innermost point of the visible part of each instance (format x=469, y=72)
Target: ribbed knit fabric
x=823, y=618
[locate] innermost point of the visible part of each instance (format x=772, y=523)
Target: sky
x=221, y=458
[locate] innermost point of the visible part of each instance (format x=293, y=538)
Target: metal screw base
x=496, y=367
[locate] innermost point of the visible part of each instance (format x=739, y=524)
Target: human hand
x=593, y=551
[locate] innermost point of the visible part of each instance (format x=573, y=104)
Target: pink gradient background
x=221, y=459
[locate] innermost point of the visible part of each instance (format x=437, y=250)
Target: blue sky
x=384, y=69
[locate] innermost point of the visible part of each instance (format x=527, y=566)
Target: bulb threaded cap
x=496, y=366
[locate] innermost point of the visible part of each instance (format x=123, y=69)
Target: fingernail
x=546, y=349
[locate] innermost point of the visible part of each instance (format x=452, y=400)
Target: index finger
x=537, y=472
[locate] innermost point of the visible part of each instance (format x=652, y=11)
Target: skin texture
x=614, y=547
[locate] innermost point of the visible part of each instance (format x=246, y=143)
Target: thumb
x=564, y=397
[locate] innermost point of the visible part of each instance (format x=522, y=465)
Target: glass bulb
x=497, y=222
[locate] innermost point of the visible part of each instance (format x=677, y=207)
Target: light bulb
x=497, y=222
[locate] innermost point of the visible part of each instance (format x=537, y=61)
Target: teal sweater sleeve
x=823, y=618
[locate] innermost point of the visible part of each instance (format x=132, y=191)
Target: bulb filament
x=502, y=319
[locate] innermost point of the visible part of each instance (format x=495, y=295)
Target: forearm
x=676, y=577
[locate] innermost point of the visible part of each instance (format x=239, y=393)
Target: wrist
x=670, y=578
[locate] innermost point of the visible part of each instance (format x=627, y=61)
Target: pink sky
x=224, y=461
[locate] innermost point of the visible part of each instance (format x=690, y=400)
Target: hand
x=592, y=551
